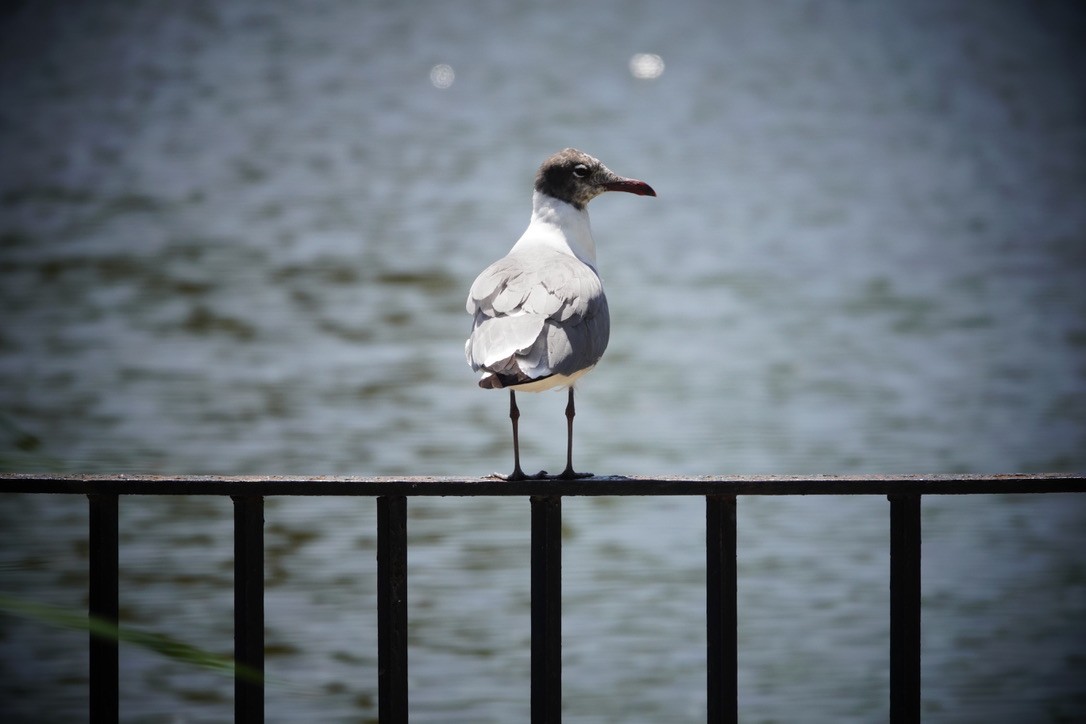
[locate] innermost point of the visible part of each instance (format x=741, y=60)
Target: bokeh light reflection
x=647, y=66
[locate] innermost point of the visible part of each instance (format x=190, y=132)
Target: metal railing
x=720, y=492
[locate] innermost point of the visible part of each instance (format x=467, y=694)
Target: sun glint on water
x=646, y=66
x=442, y=76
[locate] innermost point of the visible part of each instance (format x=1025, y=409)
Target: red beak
x=631, y=186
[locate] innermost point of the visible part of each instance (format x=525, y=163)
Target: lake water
x=237, y=237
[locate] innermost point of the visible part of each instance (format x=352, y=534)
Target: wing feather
x=538, y=314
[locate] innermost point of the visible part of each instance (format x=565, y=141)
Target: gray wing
x=537, y=314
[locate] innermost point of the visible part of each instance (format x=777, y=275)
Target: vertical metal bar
x=904, y=608
x=546, y=609
x=104, y=663
x=249, y=606
x=722, y=617
x=392, y=608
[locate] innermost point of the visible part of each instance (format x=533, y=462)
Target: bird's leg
x=568, y=473
x=514, y=415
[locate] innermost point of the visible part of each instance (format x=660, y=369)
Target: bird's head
x=576, y=178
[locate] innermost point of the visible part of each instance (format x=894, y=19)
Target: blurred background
x=237, y=238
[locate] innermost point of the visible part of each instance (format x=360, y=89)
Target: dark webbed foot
x=518, y=474
x=570, y=474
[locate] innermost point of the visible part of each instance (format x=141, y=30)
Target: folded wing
x=535, y=315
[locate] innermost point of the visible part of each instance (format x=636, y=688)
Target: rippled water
x=236, y=238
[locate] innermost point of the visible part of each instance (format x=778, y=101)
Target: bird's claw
x=518, y=474
x=569, y=474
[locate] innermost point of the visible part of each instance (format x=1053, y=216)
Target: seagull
x=540, y=315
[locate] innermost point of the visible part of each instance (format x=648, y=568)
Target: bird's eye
x=580, y=170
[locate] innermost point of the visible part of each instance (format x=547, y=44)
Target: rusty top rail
x=270, y=485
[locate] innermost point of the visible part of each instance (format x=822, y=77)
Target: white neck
x=560, y=226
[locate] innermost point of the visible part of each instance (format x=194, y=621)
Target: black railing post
x=720, y=608
x=392, y=609
x=546, y=609
x=249, y=606
x=104, y=660
x=904, y=609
